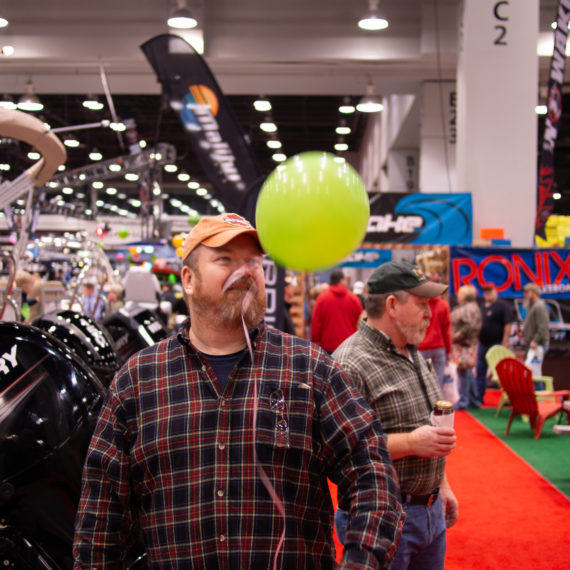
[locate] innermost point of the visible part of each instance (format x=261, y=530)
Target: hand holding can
x=443, y=414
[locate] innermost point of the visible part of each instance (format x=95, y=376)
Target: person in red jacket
x=437, y=342
x=336, y=313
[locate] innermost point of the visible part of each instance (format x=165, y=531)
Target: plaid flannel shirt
x=401, y=392
x=175, y=451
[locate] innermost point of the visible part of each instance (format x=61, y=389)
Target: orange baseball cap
x=216, y=231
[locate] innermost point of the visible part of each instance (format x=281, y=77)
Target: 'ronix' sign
x=511, y=269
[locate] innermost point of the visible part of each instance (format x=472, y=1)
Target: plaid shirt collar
x=184, y=339
x=381, y=339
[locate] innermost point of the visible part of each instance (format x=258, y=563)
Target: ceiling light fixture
x=6, y=102
x=118, y=127
x=347, y=107
x=370, y=103
x=181, y=19
x=262, y=104
x=3, y=22
x=29, y=101
x=95, y=155
x=273, y=144
x=343, y=128
x=268, y=127
x=71, y=141
x=372, y=21
x=92, y=102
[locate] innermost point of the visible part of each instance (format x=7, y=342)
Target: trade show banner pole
x=545, y=200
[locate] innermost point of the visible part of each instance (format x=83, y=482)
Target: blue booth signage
x=511, y=269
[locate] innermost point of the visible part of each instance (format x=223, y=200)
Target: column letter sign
x=499, y=12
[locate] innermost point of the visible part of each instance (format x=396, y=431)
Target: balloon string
x=238, y=274
x=259, y=468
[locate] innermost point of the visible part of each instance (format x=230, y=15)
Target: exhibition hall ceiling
x=305, y=57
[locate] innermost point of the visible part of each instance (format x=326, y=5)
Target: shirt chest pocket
x=285, y=420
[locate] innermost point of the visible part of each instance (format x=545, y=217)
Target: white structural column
x=497, y=84
x=438, y=137
x=389, y=159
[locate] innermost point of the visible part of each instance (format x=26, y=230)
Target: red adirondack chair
x=516, y=380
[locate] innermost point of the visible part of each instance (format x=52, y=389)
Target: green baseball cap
x=403, y=276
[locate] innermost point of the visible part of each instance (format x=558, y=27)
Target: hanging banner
x=217, y=139
x=429, y=219
x=223, y=149
x=510, y=270
x=545, y=201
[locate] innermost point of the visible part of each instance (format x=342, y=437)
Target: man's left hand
x=450, y=505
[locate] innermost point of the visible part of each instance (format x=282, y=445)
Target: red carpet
x=510, y=517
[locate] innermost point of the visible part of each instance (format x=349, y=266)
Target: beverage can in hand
x=443, y=414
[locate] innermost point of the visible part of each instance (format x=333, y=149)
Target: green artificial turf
x=549, y=455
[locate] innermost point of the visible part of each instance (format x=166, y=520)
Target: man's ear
x=187, y=279
x=391, y=303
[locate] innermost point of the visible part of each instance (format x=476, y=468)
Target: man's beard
x=227, y=312
x=413, y=334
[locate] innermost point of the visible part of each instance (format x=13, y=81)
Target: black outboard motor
x=134, y=327
x=86, y=338
x=49, y=401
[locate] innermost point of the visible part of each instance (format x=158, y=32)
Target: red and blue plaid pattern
x=175, y=451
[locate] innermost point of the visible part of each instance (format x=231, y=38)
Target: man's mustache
x=244, y=283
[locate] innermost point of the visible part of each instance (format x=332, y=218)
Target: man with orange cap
x=219, y=440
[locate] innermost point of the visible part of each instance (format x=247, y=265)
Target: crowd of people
x=89, y=294
x=214, y=447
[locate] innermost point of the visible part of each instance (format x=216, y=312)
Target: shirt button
x=222, y=537
x=221, y=446
x=220, y=492
x=204, y=367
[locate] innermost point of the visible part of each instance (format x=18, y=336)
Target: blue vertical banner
x=545, y=201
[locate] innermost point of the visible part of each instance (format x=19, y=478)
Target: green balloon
x=312, y=212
